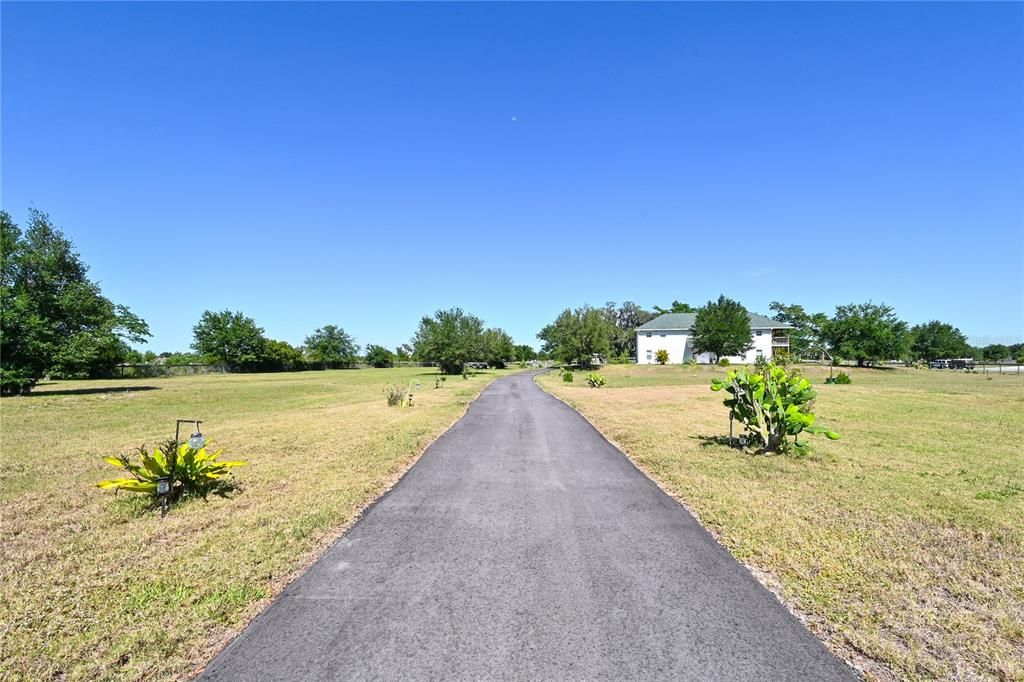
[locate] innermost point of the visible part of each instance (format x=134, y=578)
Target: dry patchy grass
x=902, y=543
x=98, y=586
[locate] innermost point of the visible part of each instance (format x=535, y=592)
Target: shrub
x=843, y=378
x=661, y=355
x=379, y=356
x=595, y=380
x=692, y=362
x=723, y=362
x=192, y=472
x=761, y=363
x=395, y=394
x=567, y=376
x=773, y=406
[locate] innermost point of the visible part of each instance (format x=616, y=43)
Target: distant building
x=674, y=332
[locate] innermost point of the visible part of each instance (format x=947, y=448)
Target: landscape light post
x=166, y=483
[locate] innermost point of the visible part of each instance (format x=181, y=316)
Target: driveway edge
x=859, y=663
x=277, y=587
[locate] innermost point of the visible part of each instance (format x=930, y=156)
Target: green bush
x=192, y=472
x=692, y=362
x=723, y=362
x=397, y=394
x=773, y=406
x=843, y=378
x=661, y=355
x=567, y=376
x=595, y=380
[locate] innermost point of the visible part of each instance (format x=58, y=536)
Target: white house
x=674, y=332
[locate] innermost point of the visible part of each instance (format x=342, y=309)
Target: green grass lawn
x=902, y=543
x=96, y=586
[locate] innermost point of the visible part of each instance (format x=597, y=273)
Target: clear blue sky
x=365, y=164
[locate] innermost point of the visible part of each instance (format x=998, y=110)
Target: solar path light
x=195, y=441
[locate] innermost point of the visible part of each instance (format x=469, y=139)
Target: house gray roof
x=682, y=321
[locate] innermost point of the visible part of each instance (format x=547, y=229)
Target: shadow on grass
x=129, y=505
x=90, y=391
x=711, y=441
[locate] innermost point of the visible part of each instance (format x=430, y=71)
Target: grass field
x=902, y=543
x=94, y=586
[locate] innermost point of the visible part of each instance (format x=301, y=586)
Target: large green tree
x=866, y=332
x=379, y=356
x=451, y=338
x=497, y=347
x=331, y=346
x=524, y=353
x=995, y=352
x=231, y=339
x=282, y=356
x=722, y=328
x=53, y=318
x=624, y=321
x=577, y=335
x=676, y=307
x=935, y=339
x=806, y=334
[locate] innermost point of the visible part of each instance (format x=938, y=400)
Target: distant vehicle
x=953, y=363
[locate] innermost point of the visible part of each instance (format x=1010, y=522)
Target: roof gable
x=684, y=321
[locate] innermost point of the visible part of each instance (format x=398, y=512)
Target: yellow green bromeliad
x=188, y=471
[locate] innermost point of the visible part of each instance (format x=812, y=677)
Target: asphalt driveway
x=523, y=545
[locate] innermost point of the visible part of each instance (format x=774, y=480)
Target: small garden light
x=163, y=489
x=196, y=440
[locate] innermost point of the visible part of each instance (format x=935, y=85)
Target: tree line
x=865, y=333
x=55, y=322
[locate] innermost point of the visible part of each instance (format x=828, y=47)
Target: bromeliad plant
x=190, y=472
x=773, y=405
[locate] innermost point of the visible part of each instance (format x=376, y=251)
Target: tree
x=451, y=338
x=403, y=352
x=179, y=359
x=935, y=339
x=231, y=339
x=524, y=353
x=661, y=355
x=378, y=356
x=331, y=347
x=722, y=328
x=282, y=356
x=497, y=347
x=676, y=307
x=53, y=318
x=867, y=333
x=577, y=335
x=806, y=335
x=995, y=352
x=625, y=319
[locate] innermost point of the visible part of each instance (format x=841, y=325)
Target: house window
x=759, y=332
x=648, y=356
x=648, y=335
x=662, y=336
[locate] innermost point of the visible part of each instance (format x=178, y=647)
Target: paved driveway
x=523, y=545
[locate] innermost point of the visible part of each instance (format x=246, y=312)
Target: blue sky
x=363, y=165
